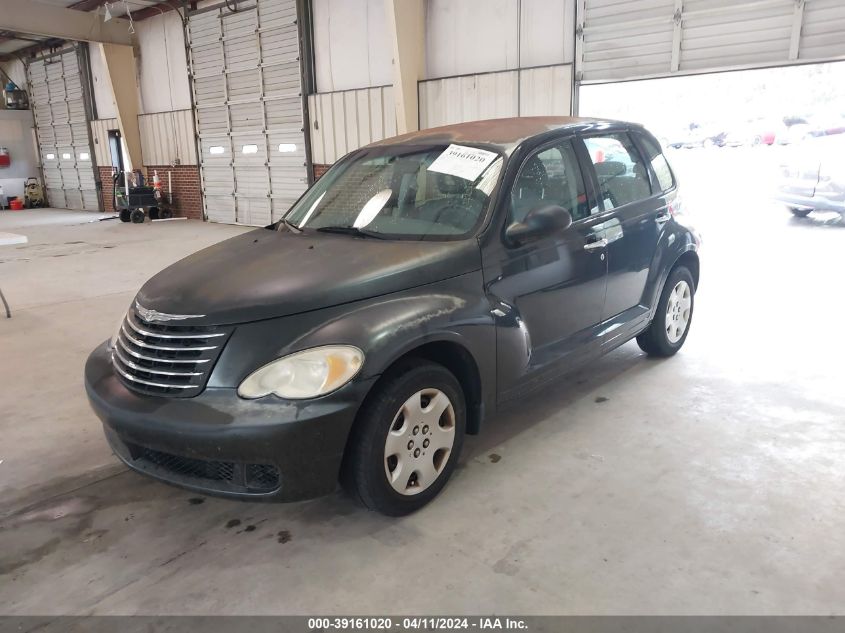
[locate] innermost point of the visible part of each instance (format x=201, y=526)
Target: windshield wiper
x=350, y=230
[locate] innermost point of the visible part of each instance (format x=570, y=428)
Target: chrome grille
x=166, y=360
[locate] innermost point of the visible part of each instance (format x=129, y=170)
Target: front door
x=548, y=294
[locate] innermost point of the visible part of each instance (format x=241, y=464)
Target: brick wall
x=187, y=196
x=108, y=188
x=319, y=170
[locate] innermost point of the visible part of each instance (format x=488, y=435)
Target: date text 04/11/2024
x=415, y=623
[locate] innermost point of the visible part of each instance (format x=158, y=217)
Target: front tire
x=407, y=439
x=669, y=329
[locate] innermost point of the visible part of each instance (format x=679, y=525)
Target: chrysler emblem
x=154, y=315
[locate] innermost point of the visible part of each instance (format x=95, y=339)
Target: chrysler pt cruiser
x=420, y=284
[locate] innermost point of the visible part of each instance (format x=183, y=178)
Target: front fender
x=385, y=328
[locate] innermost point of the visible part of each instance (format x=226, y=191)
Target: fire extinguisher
x=5, y=159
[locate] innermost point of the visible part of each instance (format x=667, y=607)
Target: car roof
x=503, y=135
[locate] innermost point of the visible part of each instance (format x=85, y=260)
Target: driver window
x=551, y=176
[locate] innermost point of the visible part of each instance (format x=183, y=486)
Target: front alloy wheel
x=419, y=442
x=406, y=439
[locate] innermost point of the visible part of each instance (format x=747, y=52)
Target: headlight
x=308, y=374
x=113, y=339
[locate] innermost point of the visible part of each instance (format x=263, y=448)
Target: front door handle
x=663, y=217
x=594, y=246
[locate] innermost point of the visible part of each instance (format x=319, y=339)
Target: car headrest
x=610, y=169
x=533, y=175
x=447, y=183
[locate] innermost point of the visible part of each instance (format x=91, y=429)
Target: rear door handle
x=663, y=217
x=594, y=246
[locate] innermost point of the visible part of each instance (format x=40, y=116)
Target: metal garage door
x=632, y=39
x=61, y=122
x=249, y=109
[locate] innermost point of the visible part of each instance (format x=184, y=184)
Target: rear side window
x=659, y=164
x=622, y=176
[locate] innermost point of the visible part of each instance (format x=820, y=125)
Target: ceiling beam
x=34, y=18
x=32, y=50
x=152, y=11
x=87, y=5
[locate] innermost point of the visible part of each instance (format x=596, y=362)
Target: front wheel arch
x=457, y=359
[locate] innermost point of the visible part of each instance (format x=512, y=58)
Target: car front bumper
x=221, y=444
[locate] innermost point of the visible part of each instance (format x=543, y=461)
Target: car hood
x=264, y=274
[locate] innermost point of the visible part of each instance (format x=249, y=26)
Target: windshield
x=419, y=192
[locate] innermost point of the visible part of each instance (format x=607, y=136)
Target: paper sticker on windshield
x=462, y=161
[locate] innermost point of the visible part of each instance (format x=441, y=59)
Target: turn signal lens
x=307, y=374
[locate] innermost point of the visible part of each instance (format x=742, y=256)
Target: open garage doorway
x=746, y=145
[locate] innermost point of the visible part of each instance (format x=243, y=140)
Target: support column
x=406, y=23
x=120, y=64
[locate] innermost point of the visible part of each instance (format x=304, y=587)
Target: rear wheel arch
x=690, y=260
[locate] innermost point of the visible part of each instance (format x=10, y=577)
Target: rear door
x=632, y=228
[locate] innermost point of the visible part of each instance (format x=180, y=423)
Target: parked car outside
x=422, y=283
x=795, y=133
x=813, y=178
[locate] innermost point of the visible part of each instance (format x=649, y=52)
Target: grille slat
x=158, y=360
x=160, y=347
x=175, y=336
x=150, y=370
x=166, y=360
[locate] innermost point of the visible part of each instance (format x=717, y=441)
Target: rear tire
x=407, y=439
x=125, y=215
x=153, y=212
x=669, y=329
x=137, y=216
x=165, y=213
x=799, y=213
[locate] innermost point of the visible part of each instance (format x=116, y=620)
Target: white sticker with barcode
x=462, y=161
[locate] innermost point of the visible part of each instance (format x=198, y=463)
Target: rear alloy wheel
x=668, y=331
x=407, y=439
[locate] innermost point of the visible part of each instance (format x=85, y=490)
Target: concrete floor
x=712, y=482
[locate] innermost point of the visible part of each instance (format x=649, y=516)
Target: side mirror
x=541, y=220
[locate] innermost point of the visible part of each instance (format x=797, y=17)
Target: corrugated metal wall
x=346, y=120
x=652, y=38
x=469, y=98
x=100, y=136
x=167, y=138
x=546, y=90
